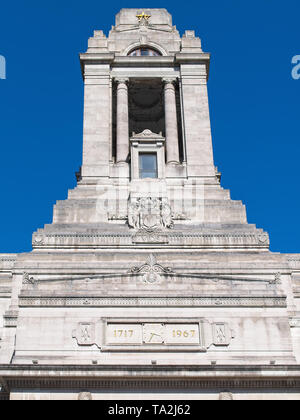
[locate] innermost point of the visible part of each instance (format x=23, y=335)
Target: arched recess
x=149, y=44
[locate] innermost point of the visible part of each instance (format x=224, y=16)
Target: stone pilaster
x=199, y=152
x=171, y=122
x=97, y=120
x=122, y=120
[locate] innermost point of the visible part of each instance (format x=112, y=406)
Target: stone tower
x=149, y=282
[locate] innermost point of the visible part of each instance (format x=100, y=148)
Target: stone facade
x=149, y=283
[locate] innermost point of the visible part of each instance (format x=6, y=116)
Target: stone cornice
x=96, y=58
x=8, y=257
x=5, y=292
x=185, y=58
x=148, y=61
x=110, y=58
x=88, y=58
x=143, y=377
x=231, y=240
x=142, y=61
x=39, y=299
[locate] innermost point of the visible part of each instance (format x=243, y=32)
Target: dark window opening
x=146, y=110
x=146, y=106
x=148, y=165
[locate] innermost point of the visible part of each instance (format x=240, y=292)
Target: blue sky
x=254, y=105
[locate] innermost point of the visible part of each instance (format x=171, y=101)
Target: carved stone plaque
x=152, y=333
x=85, y=334
x=221, y=334
x=115, y=334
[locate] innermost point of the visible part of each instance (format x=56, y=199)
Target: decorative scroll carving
x=152, y=270
x=276, y=279
x=38, y=240
x=147, y=133
x=150, y=214
x=263, y=238
x=27, y=279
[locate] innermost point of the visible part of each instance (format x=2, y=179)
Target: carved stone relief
x=85, y=334
x=141, y=334
x=222, y=335
x=277, y=279
x=151, y=269
x=150, y=214
x=27, y=279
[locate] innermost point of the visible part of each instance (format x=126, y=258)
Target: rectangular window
x=148, y=165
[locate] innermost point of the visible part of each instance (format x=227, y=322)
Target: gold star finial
x=142, y=16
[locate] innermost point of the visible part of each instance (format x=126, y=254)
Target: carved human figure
x=166, y=216
x=134, y=215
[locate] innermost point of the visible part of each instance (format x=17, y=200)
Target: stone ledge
x=5, y=292
x=68, y=301
x=147, y=377
x=170, y=239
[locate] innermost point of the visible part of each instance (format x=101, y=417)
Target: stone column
x=171, y=122
x=122, y=121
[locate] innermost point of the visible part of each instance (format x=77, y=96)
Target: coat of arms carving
x=150, y=214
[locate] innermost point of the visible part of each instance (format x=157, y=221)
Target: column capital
x=122, y=120
x=121, y=80
x=169, y=80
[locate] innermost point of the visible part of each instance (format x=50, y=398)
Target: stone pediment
x=147, y=134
